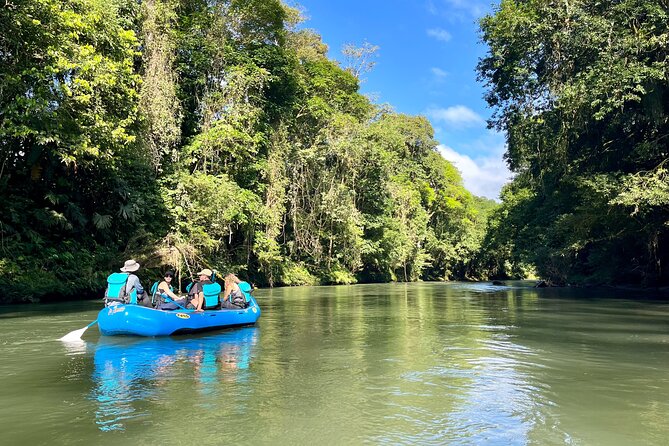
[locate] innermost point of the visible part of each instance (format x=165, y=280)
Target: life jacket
x=241, y=297
x=116, y=289
x=246, y=290
x=155, y=294
x=212, y=292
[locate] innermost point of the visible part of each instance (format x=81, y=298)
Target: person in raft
x=196, y=293
x=133, y=285
x=170, y=301
x=233, y=298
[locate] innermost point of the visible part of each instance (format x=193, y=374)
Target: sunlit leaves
x=210, y=133
x=645, y=191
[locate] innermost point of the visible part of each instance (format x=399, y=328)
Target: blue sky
x=425, y=66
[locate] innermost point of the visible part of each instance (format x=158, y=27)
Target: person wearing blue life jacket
x=196, y=294
x=125, y=287
x=233, y=296
x=164, y=296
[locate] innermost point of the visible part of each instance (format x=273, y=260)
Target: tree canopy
x=211, y=133
x=581, y=89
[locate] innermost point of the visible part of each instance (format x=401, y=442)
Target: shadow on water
x=48, y=309
x=129, y=372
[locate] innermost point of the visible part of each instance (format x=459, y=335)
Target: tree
x=210, y=134
x=71, y=170
x=581, y=90
x=359, y=60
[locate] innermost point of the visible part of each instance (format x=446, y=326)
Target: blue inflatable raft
x=136, y=320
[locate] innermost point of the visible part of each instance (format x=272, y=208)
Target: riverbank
x=654, y=292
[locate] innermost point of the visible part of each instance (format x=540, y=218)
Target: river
x=423, y=363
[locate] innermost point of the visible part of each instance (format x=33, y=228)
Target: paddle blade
x=76, y=335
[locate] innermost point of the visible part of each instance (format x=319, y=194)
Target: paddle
x=76, y=335
x=167, y=298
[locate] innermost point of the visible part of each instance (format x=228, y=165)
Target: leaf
x=102, y=221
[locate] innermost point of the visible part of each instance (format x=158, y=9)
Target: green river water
x=424, y=363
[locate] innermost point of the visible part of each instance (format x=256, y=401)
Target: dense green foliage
x=581, y=89
x=191, y=133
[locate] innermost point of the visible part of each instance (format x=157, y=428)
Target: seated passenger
x=233, y=298
x=125, y=287
x=166, y=298
x=196, y=293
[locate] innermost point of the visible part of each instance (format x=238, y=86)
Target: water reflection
x=129, y=373
x=75, y=348
x=456, y=364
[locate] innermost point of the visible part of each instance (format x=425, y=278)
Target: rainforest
x=189, y=134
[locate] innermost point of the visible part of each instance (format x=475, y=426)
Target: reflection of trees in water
x=458, y=367
x=129, y=373
x=421, y=364
x=401, y=364
x=602, y=365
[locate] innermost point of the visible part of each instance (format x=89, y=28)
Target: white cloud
x=457, y=116
x=483, y=176
x=475, y=8
x=439, y=73
x=431, y=7
x=439, y=34
x=458, y=8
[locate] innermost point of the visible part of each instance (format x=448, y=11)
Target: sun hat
x=205, y=272
x=130, y=266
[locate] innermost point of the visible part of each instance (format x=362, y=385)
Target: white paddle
x=76, y=335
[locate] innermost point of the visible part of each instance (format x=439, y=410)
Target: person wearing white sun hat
x=131, y=266
x=125, y=287
x=196, y=293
